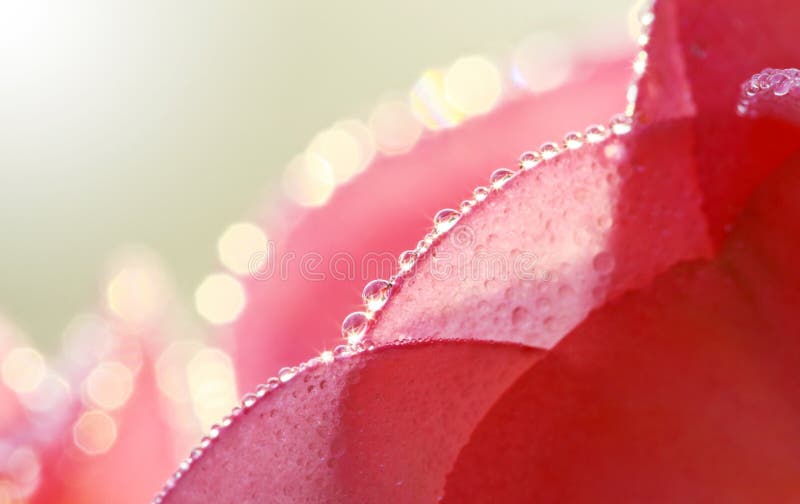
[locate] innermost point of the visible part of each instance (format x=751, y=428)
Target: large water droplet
x=445, y=219
x=376, y=293
x=407, y=260
x=529, y=159
x=499, y=177
x=355, y=326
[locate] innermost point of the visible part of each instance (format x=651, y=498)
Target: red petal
x=381, y=426
x=700, y=52
x=684, y=392
x=590, y=217
x=387, y=210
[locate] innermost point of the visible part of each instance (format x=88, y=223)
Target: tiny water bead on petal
x=249, y=400
x=407, y=260
x=355, y=326
x=326, y=357
x=480, y=193
x=596, y=133
x=550, y=150
x=529, y=160
x=286, y=374
x=621, y=124
x=499, y=177
x=445, y=219
x=376, y=293
x=573, y=140
x=466, y=206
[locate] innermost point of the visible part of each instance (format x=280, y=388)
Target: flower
x=655, y=361
x=630, y=333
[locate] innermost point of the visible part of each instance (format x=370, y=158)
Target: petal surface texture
x=382, y=426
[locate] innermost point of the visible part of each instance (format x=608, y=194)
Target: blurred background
x=162, y=123
x=143, y=143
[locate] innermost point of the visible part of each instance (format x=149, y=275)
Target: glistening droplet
x=499, y=177
x=529, y=159
x=355, y=326
x=376, y=293
x=550, y=150
x=407, y=260
x=445, y=220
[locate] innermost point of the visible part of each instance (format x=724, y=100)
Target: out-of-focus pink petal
x=380, y=426
x=530, y=262
x=772, y=93
x=684, y=391
x=387, y=210
x=139, y=456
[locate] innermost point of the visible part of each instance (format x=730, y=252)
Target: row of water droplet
x=376, y=293
x=249, y=400
x=778, y=82
x=646, y=19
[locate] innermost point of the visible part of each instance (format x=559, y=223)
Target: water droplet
x=466, y=206
x=355, y=326
x=262, y=389
x=227, y=420
x=752, y=88
x=480, y=193
x=596, y=133
x=213, y=433
x=550, y=150
x=273, y=383
x=499, y=177
x=286, y=374
x=376, y=293
x=603, y=263
x=529, y=159
x=326, y=357
x=445, y=219
x=249, y=400
x=205, y=442
x=407, y=260
x=781, y=85
x=342, y=350
x=620, y=124
x=573, y=140
x=185, y=465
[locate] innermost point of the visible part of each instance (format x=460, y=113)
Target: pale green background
x=161, y=122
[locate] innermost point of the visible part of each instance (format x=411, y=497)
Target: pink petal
x=387, y=210
x=381, y=426
x=685, y=391
x=598, y=221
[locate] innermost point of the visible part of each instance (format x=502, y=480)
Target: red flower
x=642, y=345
